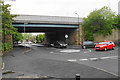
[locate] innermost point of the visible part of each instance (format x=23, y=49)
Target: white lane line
x=72, y=60
x=83, y=59
x=69, y=51
x=107, y=71
x=109, y=57
x=51, y=52
x=85, y=52
x=93, y=59
x=88, y=50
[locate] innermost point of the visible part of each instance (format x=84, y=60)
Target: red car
x=105, y=45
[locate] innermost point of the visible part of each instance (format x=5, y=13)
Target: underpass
x=54, y=27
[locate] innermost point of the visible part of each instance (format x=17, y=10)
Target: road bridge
x=54, y=27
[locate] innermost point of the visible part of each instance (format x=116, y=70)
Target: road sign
x=66, y=36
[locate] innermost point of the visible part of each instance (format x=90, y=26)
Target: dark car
x=87, y=44
x=59, y=44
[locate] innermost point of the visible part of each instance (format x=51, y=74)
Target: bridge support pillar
x=76, y=37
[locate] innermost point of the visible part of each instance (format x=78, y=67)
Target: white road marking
x=93, y=59
x=88, y=51
x=109, y=57
x=107, y=71
x=51, y=52
x=69, y=51
x=83, y=59
x=3, y=65
x=72, y=60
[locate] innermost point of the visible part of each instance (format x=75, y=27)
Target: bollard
x=77, y=76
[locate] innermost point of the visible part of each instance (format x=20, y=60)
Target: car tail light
x=82, y=43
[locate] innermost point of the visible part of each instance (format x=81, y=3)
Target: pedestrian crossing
x=93, y=59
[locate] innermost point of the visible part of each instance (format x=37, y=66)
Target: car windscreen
x=103, y=43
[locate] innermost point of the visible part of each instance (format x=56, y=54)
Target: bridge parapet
x=47, y=19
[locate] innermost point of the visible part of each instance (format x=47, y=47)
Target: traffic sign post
x=66, y=37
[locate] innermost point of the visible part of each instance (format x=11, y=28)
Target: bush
x=9, y=46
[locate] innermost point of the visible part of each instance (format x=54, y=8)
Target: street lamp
x=24, y=32
x=78, y=29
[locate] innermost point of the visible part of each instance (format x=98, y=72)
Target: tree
x=28, y=36
x=41, y=37
x=98, y=22
x=7, y=26
x=18, y=37
x=7, y=19
x=116, y=22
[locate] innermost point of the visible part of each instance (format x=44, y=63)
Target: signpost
x=66, y=37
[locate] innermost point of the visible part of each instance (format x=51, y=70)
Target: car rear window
x=103, y=43
x=88, y=42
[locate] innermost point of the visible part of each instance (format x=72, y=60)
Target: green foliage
x=7, y=19
x=18, y=37
x=8, y=46
x=28, y=36
x=41, y=37
x=98, y=22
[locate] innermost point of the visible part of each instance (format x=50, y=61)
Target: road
x=63, y=63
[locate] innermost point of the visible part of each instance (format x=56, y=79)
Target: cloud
x=60, y=7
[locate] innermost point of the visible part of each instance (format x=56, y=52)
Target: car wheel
x=84, y=47
x=113, y=48
x=105, y=49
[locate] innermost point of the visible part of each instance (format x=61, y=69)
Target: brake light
x=82, y=43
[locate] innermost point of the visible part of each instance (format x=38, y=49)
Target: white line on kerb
x=107, y=71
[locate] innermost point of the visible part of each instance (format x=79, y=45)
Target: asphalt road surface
x=63, y=63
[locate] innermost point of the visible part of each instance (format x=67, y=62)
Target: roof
x=47, y=19
x=107, y=41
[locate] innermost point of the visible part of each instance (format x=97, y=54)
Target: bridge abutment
x=74, y=36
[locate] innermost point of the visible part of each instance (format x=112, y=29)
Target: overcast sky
x=60, y=7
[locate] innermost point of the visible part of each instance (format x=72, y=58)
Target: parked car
x=59, y=44
x=87, y=44
x=105, y=45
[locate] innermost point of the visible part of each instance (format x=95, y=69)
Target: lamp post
x=24, y=32
x=78, y=29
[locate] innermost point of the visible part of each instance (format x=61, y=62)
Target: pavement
x=61, y=63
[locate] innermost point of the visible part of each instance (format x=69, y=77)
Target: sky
x=60, y=7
